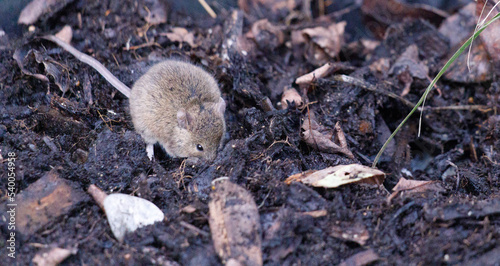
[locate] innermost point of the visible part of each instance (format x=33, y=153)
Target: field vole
x=178, y=105
x=174, y=103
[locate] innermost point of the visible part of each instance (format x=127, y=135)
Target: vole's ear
x=183, y=119
x=221, y=106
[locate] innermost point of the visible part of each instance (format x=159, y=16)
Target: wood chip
x=235, y=224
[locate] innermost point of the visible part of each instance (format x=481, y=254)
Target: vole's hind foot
x=150, y=151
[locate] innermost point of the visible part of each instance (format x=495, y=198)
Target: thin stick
x=89, y=60
x=209, y=10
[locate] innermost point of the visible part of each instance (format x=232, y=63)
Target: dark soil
x=96, y=144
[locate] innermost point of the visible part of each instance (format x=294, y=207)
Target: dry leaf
x=490, y=36
x=314, y=135
x=65, y=34
x=30, y=56
x=52, y=257
x=415, y=186
x=339, y=175
x=290, y=95
x=324, y=43
x=235, y=223
x=181, y=35
x=267, y=36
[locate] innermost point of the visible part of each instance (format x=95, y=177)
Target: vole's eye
x=199, y=147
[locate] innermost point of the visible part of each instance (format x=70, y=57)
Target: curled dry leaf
x=415, y=186
x=323, y=43
x=339, y=175
x=290, y=95
x=52, y=257
x=181, y=35
x=28, y=57
x=267, y=36
x=235, y=223
x=321, y=72
x=314, y=135
x=126, y=213
x=409, y=66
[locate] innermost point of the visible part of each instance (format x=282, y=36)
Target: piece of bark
x=42, y=202
x=234, y=223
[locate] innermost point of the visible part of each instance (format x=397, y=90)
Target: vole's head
x=202, y=129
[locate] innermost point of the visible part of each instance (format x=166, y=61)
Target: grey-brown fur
x=179, y=105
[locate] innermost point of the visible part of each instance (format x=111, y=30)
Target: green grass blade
x=429, y=88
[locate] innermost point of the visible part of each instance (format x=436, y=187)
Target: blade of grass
x=429, y=88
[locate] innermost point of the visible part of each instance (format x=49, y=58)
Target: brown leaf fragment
x=52, y=257
x=324, y=44
x=29, y=59
x=409, y=61
x=355, y=233
x=181, y=35
x=339, y=175
x=266, y=35
x=362, y=258
x=490, y=36
x=234, y=223
x=290, y=95
x=389, y=12
x=313, y=135
x=45, y=200
x=415, y=186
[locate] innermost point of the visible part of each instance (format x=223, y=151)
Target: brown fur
x=179, y=105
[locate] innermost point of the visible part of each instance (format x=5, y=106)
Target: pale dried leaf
x=235, y=223
x=339, y=175
x=52, y=257
x=65, y=34
x=415, y=186
x=181, y=35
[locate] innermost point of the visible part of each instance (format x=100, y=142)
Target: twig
x=194, y=228
x=209, y=10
